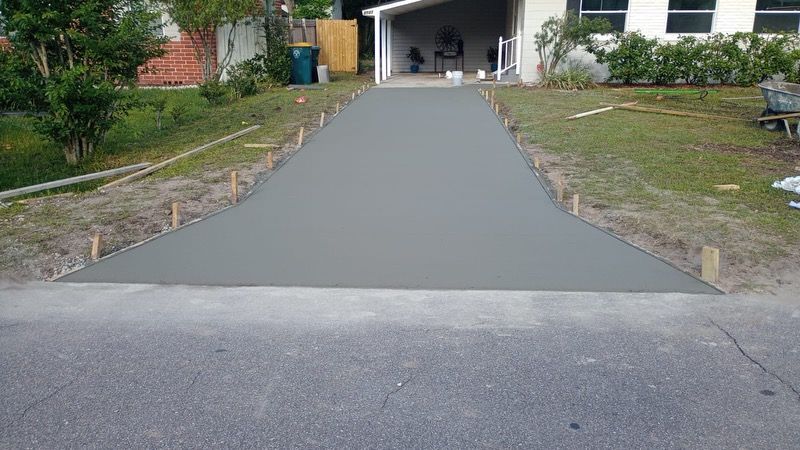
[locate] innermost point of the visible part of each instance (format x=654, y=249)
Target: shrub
x=242, y=80
x=765, y=57
x=631, y=58
x=214, y=91
x=560, y=35
x=159, y=105
x=177, y=112
x=572, y=78
x=724, y=58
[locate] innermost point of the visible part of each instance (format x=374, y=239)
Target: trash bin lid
x=301, y=44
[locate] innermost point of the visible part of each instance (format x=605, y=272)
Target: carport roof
x=400, y=7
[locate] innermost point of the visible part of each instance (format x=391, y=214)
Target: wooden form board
x=338, y=42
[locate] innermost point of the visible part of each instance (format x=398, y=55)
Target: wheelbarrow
x=783, y=103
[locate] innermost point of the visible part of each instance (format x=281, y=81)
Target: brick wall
x=178, y=67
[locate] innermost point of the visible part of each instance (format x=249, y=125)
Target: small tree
x=84, y=53
x=201, y=19
x=312, y=9
x=561, y=35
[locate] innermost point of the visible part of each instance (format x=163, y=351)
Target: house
x=458, y=33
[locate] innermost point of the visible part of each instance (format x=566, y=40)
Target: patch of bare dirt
x=783, y=150
x=51, y=236
x=749, y=263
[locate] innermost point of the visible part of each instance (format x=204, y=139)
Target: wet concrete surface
x=407, y=188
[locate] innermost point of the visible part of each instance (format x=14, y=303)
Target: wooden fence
x=338, y=42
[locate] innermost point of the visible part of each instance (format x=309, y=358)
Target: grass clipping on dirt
x=650, y=177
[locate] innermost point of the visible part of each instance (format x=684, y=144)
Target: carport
x=451, y=35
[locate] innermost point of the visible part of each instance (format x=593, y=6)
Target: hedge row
x=741, y=58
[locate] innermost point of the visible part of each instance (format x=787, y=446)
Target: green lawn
x=26, y=158
x=657, y=172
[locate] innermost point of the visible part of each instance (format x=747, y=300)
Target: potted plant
x=491, y=57
x=416, y=59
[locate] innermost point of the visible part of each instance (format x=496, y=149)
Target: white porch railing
x=508, y=56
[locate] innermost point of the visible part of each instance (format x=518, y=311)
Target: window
x=157, y=26
x=616, y=11
x=691, y=16
x=777, y=15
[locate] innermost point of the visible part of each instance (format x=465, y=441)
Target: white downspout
x=378, y=47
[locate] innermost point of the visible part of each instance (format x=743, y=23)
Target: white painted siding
x=647, y=16
x=481, y=23
x=248, y=40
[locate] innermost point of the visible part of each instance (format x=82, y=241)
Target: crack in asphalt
x=399, y=388
x=42, y=400
x=194, y=380
x=754, y=361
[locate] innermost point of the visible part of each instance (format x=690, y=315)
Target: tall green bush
x=631, y=58
x=741, y=58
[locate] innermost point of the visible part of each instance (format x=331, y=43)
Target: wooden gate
x=338, y=42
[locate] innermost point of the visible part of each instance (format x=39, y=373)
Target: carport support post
x=710, y=266
x=378, y=58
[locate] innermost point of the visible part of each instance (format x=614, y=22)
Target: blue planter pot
x=414, y=68
x=494, y=67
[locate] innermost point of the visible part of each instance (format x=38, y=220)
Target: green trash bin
x=301, y=63
x=314, y=63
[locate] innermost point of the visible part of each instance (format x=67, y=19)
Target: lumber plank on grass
x=727, y=187
x=161, y=165
x=672, y=112
x=73, y=180
x=591, y=113
x=779, y=117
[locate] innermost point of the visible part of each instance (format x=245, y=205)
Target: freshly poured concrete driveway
x=407, y=188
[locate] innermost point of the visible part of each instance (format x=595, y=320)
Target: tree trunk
x=77, y=148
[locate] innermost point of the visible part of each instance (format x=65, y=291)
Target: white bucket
x=323, y=75
x=458, y=78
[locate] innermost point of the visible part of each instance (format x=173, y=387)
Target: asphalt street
x=133, y=366
x=406, y=188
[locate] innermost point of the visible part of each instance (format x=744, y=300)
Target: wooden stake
x=322, y=119
x=519, y=138
x=300, y=137
x=560, y=190
x=710, y=267
x=576, y=198
x=234, y=187
x=497, y=108
x=176, y=215
x=270, y=163
x=353, y=97
x=338, y=107
x=97, y=246
x=536, y=162
x=260, y=145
